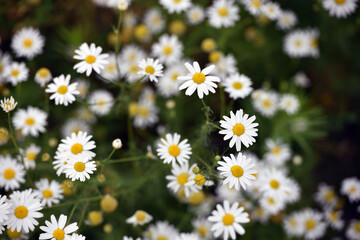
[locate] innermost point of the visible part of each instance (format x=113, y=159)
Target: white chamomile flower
x=202, y=227
x=225, y=66
x=146, y=114
x=260, y=215
x=130, y=238
x=238, y=171
x=289, y=103
x=340, y=8
x=169, y=49
x=176, y=6
x=60, y=162
x=111, y=71
x=130, y=70
x=151, y=68
x=140, y=217
x=25, y=207
x=74, y=126
x=313, y=224
x=75, y=236
x=155, y=21
x=334, y=219
x=292, y=225
x=31, y=121
x=353, y=230
x=312, y=42
x=27, y=42
x=326, y=196
x=195, y=15
x=253, y=6
x=161, y=230
x=8, y=104
x=182, y=178
x=171, y=150
x=43, y=76
x=238, y=86
x=267, y=103
x=168, y=85
x=77, y=146
x=49, y=192
x=230, y=194
x=271, y=10
x=30, y=155
x=351, y=188
x=296, y=44
x=277, y=152
x=223, y=13
x=5, y=60
x=83, y=87
x=16, y=73
x=57, y=229
x=271, y=204
x=187, y=236
x=273, y=183
x=131, y=53
x=227, y=220
x=101, y=102
x=286, y=20
x=79, y=169
x=239, y=128
x=4, y=212
x=301, y=80
x=12, y=173
x=91, y=58
x=62, y=91
x=198, y=80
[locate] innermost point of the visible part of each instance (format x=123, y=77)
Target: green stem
x=203, y=161
x=213, y=125
x=222, y=101
x=83, y=213
x=76, y=202
x=117, y=44
x=72, y=213
x=128, y=159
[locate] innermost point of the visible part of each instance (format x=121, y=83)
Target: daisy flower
x=161, y=230
x=176, y=6
x=4, y=212
x=168, y=85
x=195, y=15
x=110, y=71
x=289, y=103
x=27, y=42
x=286, y=20
x=272, y=205
x=301, y=80
x=230, y=194
x=83, y=87
x=292, y=225
x=129, y=71
x=5, y=60
x=182, y=179
x=340, y=8
x=223, y=13
x=253, y=6
x=260, y=215
x=60, y=162
x=353, y=230
x=326, y=196
x=151, y=68
x=30, y=155
x=57, y=229
x=202, y=227
x=187, y=236
x=334, y=219
x=49, y=192
x=91, y=58
x=101, y=102
x=131, y=53
x=277, y=152
x=169, y=49
x=146, y=114
x=139, y=218
x=227, y=220
x=77, y=147
x=62, y=91
x=238, y=171
x=266, y=103
x=296, y=44
x=197, y=80
x=351, y=188
x=155, y=22
x=225, y=66
x=74, y=126
x=273, y=183
x=313, y=43
x=79, y=169
x=25, y=208
x=31, y=121
x=43, y=76
x=8, y=104
x=12, y=173
x=238, y=86
x=130, y=238
x=16, y=73
x=239, y=128
x=271, y=10
x=312, y=223
x=171, y=150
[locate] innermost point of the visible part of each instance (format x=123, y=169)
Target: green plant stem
x=118, y=44
x=90, y=199
x=128, y=159
x=222, y=101
x=72, y=212
x=203, y=162
x=86, y=204
x=213, y=125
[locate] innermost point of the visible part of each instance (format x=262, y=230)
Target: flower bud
x=117, y=144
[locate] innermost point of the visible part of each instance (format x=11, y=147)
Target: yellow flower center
x=47, y=193
x=4, y=135
x=237, y=171
x=333, y=216
x=215, y=56
x=59, y=234
x=256, y=3
x=43, y=72
x=174, y=77
x=177, y=1
x=329, y=195
x=143, y=111
x=237, y=85
x=21, y=212
x=238, y=129
x=357, y=227
x=196, y=198
x=1, y=67
x=163, y=237
x=276, y=150
x=13, y=234
x=340, y=2
x=271, y=201
x=352, y=190
x=182, y=178
x=314, y=42
x=62, y=89
x=198, y=78
x=9, y=173
x=150, y=70
x=274, y=184
x=202, y=231
x=76, y=148
x=30, y=121
x=133, y=68
x=293, y=223
x=28, y=42
x=140, y=216
x=228, y=219
x=298, y=43
x=110, y=67
x=310, y=224
x=79, y=166
x=14, y=73
x=223, y=12
x=31, y=156
x=90, y=59
x=199, y=179
x=174, y=150
x=141, y=31
x=167, y=50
